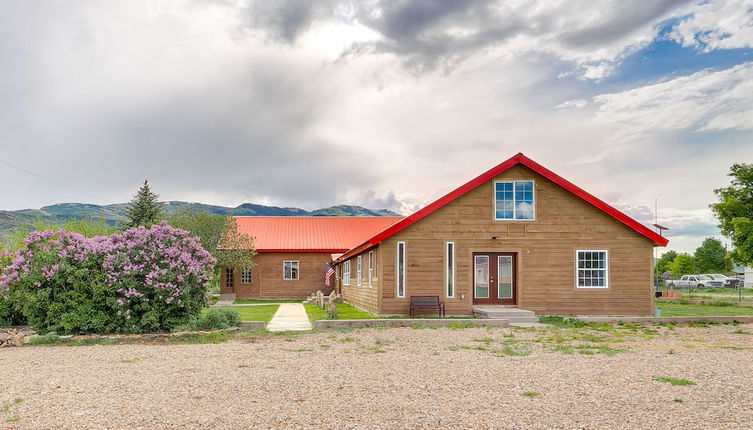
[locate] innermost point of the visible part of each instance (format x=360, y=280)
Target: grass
x=692, y=310
x=530, y=394
x=344, y=312
x=264, y=301
x=254, y=313
x=678, y=382
x=8, y=406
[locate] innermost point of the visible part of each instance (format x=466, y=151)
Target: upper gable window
x=514, y=200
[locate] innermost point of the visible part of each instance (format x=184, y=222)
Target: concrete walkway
x=290, y=317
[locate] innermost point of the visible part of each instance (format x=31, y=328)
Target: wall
x=267, y=277
x=545, y=247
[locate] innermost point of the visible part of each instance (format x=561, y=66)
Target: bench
x=426, y=302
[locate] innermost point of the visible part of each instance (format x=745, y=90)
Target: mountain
x=116, y=213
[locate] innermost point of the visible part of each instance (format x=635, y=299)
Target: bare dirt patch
x=594, y=377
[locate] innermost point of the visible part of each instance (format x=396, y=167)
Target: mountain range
x=116, y=213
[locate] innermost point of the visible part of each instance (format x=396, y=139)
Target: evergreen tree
x=145, y=208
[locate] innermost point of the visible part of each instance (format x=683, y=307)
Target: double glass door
x=494, y=278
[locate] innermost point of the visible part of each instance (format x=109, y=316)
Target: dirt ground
x=601, y=377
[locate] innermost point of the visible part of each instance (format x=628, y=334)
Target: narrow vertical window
x=346, y=273
x=229, y=277
x=246, y=275
x=371, y=267
x=592, y=269
x=450, y=272
x=359, y=266
x=290, y=270
x=400, y=275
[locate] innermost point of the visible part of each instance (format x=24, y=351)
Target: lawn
x=255, y=313
x=344, y=312
x=682, y=310
x=263, y=301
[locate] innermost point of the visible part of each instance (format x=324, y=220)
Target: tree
x=145, y=208
x=709, y=257
x=735, y=212
x=219, y=235
x=682, y=264
x=662, y=265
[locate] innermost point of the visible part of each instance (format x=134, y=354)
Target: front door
x=494, y=278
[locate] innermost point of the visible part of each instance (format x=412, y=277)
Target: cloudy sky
x=387, y=103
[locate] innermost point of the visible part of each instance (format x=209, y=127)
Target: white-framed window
x=450, y=269
x=400, y=272
x=246, y=275
x=592, y=268
x=514, y=200
x=359, y=267
x=346, y=273
x=229, y=277
x=371, y=267
x=290, y=270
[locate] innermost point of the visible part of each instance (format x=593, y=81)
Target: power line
x=58, y=183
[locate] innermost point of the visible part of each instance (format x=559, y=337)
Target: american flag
x=328, y=276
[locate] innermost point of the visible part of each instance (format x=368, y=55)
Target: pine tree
x=145, y=208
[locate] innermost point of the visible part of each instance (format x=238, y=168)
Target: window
x=246, y=276
x=450, y=269
x=346, y=273
x=290, y=270
x=371, y=267
x=593, y=269
x=400, y=276
x=358, y=270
x=514, y=200
x=229, y=277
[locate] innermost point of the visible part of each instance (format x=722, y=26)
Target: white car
x=727, y=281
x=695, y=281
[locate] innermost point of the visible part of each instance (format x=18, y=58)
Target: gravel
x=395, y=378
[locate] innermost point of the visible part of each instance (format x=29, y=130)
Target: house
x=293, y=253
x=517, y=235
x=748, y=277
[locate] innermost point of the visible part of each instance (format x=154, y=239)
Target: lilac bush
x=144, y=279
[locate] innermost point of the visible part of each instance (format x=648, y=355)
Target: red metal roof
x=491, y=173
x=311, y=234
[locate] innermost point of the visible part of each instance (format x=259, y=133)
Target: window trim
x=449, y=265
x=359, y=270
x=245, y=271
x=401, y=276
x=370, y=268
x=298, y=271
x=606, y=270
x=346, y=272
x=513, y=181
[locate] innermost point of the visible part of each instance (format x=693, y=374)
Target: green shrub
x=217, y=319
x=142, y=280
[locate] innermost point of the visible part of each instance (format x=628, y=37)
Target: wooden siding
x=365, y=297
x=267, y=281
x=546, y=249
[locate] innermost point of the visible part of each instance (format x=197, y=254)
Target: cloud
x=706, y=100
x=428, y=35
x=717, y=25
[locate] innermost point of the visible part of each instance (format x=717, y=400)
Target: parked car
x=695, y=281
x=727, y=281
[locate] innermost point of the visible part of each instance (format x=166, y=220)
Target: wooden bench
x=426, y=302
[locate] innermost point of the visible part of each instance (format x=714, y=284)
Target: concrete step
x=514, y=315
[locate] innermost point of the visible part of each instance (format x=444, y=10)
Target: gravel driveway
x=397, y=378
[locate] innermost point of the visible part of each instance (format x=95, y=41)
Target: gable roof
x=490, y=174
x=311, y=234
